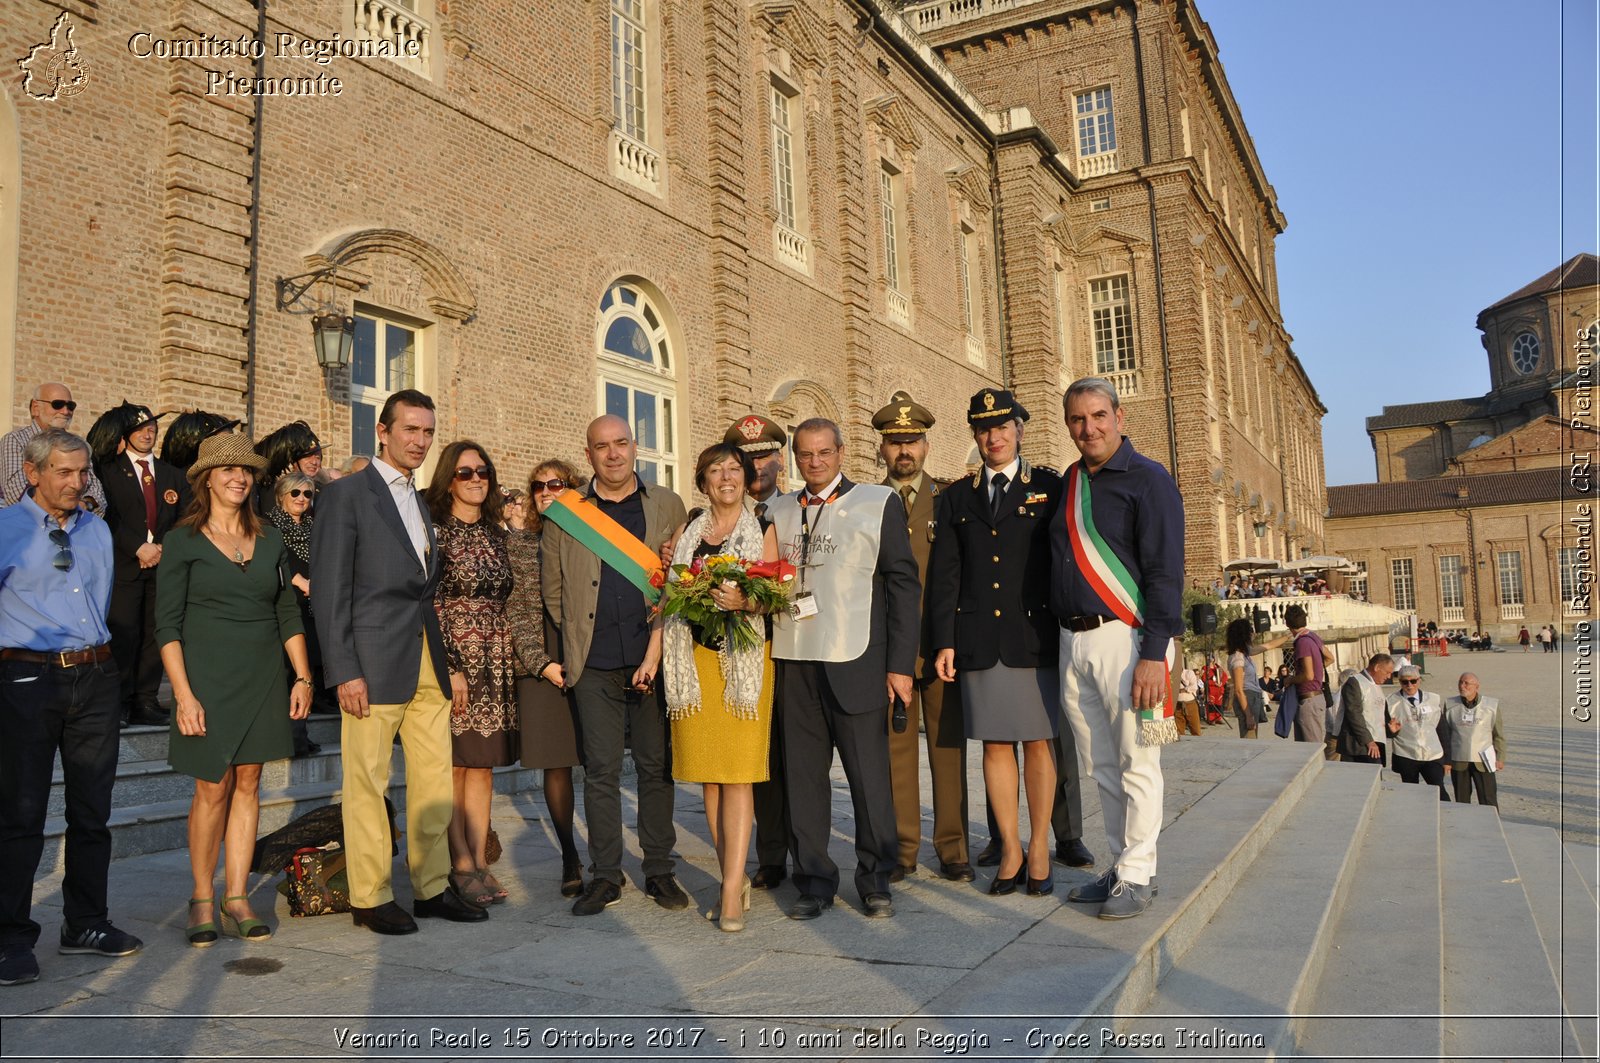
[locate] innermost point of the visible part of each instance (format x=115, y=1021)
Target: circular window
x=1525, y=352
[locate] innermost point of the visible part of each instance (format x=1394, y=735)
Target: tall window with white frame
x=1402, y=578
x=1097, y=132
x=1358, y=582
x=790, y=242
x=1574, y=582
x=383, y=359
x=634, y=377
x=971, y=298
x=891, y=195
x=1452, y=596
x=628, y=67
x=1508, y=572
x=1112, y=327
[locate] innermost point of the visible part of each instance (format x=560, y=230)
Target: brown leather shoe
x=957, y=872
x=386, y=918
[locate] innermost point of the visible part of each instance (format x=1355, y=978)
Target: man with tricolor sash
x=1117, y=589
x=600, y=551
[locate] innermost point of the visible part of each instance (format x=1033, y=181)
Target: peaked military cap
x=992, y=405
x=904, y=416
x=755, y=434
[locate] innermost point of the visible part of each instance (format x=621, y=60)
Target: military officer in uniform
x=762, y=440
x=994, y=631
x=904, y=425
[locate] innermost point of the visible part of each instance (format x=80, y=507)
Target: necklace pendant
x=238, y=556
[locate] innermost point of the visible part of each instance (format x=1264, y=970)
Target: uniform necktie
x=907, y=495
x=998, y=486
x=148, y=481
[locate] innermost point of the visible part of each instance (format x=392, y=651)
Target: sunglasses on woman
x=472, y=472
x=302, y=492
x=553, y=486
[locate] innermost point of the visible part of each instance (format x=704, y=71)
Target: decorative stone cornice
x=451, y=298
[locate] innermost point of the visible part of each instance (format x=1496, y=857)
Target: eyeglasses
x=466, y=473
x=59, y=538
x=553, y=486
x=60, y=404
x=302, y=492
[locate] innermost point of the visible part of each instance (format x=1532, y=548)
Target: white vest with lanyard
x=1418, y=737
x=835, y=548
x=1372, y=701
x=1471, y=730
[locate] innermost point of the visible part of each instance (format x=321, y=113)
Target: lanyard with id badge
x=804, y=605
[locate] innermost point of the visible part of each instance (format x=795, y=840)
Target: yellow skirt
x=714, y=745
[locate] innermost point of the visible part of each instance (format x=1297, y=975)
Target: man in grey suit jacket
x=611, y=663
x=373, y=574
x=844, y=652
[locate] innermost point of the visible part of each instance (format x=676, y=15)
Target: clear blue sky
x=1431, y=156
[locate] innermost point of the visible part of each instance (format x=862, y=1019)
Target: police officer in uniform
x=762, y=440
x=904, y=425
x=994, y=631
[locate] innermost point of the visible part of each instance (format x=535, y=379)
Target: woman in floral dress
x=474, y=587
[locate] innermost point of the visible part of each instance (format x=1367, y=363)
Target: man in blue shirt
x=1117, y=589
x=58, y=690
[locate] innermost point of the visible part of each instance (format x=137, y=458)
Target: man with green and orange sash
x=600, y=553
x=1117, y=588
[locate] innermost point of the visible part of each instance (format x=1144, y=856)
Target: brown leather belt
x=1086, y=623
x=61, y=659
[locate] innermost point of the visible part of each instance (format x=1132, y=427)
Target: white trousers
x=1097, y=696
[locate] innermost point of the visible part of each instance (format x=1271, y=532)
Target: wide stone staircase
x=150, y=801
x=1323, y=911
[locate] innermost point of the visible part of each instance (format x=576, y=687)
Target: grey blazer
x=571, y=576
x=372, y=598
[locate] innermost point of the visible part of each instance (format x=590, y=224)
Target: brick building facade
x=676, y=209
x=1482, y=516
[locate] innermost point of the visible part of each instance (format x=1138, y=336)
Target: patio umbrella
x=1318, y=563
x=1250, y=564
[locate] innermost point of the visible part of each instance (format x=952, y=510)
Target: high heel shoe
x=497, y=892
x=201, y=935
x=245, y=929
x=1039, y=887
x=734, y=924
x=1007, y=884
x=571, y=877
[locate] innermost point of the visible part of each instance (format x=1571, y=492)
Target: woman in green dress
x=225, y=616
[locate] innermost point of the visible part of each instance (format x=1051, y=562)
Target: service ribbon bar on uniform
x=613, y=544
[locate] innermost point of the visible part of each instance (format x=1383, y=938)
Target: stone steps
x=1566, y=914
x=1234, y=992
x=1393, y=897
x=150, y=801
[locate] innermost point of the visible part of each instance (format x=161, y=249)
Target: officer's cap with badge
x=754, y=434
x=993, y=406
x=903, y=419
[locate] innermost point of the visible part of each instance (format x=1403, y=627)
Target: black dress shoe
x=148, y=716
x=449, y=904
x=768, y=876
x=990, y=857
x=1074, y=854
x=386, y=918
x=878, y=905
x=957, y=872
x=810, y=906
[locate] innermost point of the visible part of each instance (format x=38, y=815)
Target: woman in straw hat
x=225, y=615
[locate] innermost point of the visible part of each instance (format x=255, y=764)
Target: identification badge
x=804, y=605
x=1468, y=715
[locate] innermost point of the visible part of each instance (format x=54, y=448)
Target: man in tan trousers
x=904, y=425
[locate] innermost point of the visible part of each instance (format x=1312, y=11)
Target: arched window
x=634, y=377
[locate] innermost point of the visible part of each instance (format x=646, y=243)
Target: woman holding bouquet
x=719, y=688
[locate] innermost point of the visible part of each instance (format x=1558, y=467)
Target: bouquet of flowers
x=686, y=593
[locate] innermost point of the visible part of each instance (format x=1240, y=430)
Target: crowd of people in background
x=481, y=625
x=1239, y=587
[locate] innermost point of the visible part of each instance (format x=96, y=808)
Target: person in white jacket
x=1415, y=722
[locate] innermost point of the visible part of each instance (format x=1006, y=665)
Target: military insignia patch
x=170, y=497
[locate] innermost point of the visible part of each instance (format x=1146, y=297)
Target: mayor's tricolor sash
x=1113, y=584
x=613, y=544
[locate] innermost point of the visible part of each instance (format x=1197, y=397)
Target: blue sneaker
x=18, y=965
